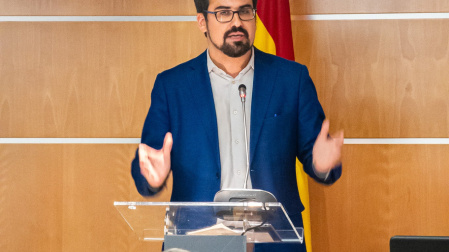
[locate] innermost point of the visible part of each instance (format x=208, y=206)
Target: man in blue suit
x=194, y=126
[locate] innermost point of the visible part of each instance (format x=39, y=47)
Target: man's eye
x=225, y=13
x=245, y=11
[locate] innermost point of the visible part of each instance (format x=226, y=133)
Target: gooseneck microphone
x=242, y=93
x=243, y=195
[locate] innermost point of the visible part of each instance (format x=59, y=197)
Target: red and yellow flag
x=274, y=35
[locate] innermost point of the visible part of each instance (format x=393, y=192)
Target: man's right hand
x=155, y=164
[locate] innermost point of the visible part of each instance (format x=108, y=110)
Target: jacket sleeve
x=156, y=125
x=310, y=119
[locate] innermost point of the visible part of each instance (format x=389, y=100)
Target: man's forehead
x=229, y=3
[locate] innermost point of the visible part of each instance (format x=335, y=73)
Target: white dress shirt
x=228, y=108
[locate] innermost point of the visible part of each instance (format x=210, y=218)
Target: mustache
x=236, y=29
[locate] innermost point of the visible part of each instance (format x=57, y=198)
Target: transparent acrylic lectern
x=257, y=222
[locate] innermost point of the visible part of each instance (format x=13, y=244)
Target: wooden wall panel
x=30, y=199
x=60, y=198
x=385, y=190
x=187, y=7
x=301, y=7
x=86, y=79
x=379, y=78
x=97, y=7
x=68, y=85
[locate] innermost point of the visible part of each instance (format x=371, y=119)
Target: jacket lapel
x=264, y=81
x=202, y=96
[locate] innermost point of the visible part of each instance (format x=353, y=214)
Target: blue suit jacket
x=286, y=118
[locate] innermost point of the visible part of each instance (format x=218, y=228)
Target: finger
x=324, y=129
x=341, y=135
x=144, y=159
x=148, y=171
x=338, y=138
x=143, y=153
x=152, y=173
x=168, y=143
x=338, y=147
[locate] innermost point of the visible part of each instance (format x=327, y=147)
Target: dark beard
x=239, y=49
x=236, y=49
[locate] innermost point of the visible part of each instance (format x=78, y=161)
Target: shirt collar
x=211, y=67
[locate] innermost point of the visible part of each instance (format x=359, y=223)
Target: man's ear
x=201, y=22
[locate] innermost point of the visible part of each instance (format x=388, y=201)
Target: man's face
x=236, y=37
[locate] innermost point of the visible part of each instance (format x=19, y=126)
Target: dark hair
x=202, y=5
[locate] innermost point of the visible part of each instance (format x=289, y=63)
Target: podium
x=210, y=226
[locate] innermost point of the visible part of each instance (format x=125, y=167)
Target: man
x=195, y=128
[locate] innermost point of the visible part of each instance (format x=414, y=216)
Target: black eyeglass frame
x=254, y=10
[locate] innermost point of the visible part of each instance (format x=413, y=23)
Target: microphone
x=244, y=195
x=242, y=93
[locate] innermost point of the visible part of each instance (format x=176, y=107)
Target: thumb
x=168, y=143
x=324, y=130
x=340, y=137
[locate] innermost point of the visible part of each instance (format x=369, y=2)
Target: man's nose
x=236, y=21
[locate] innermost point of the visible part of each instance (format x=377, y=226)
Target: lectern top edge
x=243, y=204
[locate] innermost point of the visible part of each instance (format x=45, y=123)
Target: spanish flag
x=274, y=35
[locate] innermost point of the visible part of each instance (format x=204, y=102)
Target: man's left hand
x=327, y=149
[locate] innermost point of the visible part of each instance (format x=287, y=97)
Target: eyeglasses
x=225, y=16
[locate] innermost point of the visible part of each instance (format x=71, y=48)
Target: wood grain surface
x=97, y=7
x=385, y=78
x=304, y=7
x=86, y=79
x=60, y=198
x=385, y=190
x=187, y=7
x=374, y=78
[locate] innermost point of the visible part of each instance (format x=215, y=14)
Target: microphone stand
x=243, y=98
x=244, y=195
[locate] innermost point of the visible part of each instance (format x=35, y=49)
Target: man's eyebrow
x=222, y=8
x=228, y=8
x=245, y=6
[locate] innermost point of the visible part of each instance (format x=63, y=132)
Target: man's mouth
x=236, y=36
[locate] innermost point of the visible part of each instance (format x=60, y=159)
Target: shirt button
x=233, y=82
x=236, y=141
x=238, y=172
x=235, y=112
